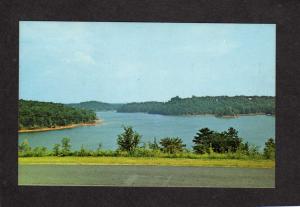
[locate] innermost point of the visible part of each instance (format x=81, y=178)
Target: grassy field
x=147, y=161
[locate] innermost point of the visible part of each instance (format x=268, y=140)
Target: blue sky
x=70, y=62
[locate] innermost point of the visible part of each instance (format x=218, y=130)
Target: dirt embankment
x=61, y=127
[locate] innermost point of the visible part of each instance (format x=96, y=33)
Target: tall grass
x=142, y=152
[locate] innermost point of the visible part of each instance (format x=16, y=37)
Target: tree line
x=226, y=144
x=217, y=105
x=36, y=114
x=95, y=106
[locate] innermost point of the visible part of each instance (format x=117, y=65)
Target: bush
x=56, y=150
x=172, y=145
x=107, y=153
x=153, y=145
x=269, y=150
x=66, y=146
x=39, y=152
x=25, y=149
x=83, y=152
x=254, y=152
x=128, y=140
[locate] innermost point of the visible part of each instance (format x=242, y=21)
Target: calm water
x=254, y=129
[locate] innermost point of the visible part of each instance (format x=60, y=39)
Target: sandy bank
x=61, y=127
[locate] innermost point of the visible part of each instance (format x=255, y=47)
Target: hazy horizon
x=72, y=62
x=134, y=101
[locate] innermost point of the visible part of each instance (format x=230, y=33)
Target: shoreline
x=250, y=114
x=206, y=114
x=71, y=126
x=238, y=115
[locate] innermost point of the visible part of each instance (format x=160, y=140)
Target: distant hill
x=217, y=105
x=96, y=106
x=37, y=114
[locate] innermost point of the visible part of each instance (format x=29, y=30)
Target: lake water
x=254, y=129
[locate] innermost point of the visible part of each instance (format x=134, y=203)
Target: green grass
x=147, y=161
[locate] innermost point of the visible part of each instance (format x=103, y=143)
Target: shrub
x=25, y=149
x=39, y=152
x=172, y=145
x=83, y=152
x=254, y=152
x=128, y=140
x=56, y=150
x=153, y=145
x=66, y=146
x=269, y=150
x=107, y=153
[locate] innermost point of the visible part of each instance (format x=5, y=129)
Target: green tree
x=172, y=145
x=220, y=142
x=128, y=140
x=36, y=114
x=218, y=105
x=202, y=140
x=24, y=146
x=66, y=146
x=83, y=152
x=244, y=147
x=269, y=150
x=25, y=149
x=39, y=151
x=56, y=150
x=232, y=140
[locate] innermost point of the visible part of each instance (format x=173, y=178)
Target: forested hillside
x=35, y=114
x=95, y=106
x=218, y=105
